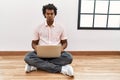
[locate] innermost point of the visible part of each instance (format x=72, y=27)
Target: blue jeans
x=52, y=65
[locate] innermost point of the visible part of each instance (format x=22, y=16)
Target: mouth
x=50, y=18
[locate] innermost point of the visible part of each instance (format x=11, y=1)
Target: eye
x=51, y=13
x=47, y=13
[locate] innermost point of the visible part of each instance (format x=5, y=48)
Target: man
x=49, y=33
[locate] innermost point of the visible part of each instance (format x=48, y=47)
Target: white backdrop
x=18, y=18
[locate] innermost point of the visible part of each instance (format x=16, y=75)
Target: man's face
x=49, y=15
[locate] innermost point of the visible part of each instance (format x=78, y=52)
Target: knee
x=26, y=58
x=69, y=58
x=30, y=57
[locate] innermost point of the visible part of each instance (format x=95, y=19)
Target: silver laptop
x=49, y=51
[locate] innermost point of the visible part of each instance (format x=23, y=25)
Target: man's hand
x=63, y=45
x=34, y=44
x=62, y=49
x=35, y=48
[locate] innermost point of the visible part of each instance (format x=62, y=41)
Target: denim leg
x=32, y=59
x=64, y=59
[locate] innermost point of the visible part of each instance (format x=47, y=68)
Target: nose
x=49, y=15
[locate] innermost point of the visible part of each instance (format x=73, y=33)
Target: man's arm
x=34, y=44
x=64, y=44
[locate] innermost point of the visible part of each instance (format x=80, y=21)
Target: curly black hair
x=49, y=7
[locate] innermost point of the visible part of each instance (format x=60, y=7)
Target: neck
x=50, y=23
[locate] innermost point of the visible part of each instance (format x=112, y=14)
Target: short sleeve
x=63, y=35
x=36, y=34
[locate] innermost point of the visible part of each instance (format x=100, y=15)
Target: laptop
x=48, y=51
